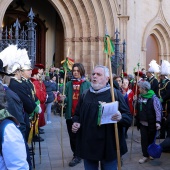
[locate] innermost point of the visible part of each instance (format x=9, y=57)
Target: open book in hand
x=106, y=113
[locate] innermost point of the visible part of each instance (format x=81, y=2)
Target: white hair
x=144, y=85
x=106, y=70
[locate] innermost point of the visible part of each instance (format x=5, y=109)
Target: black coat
x=154, y=84
x=147, y=114
x=164, y=93
x=15, y=108
x=25, y=93
x=96, y=142
x=50, y=87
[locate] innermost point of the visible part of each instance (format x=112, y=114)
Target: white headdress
x=154, y=67
x=165, y=68
x=22, y=62
x=8, y=55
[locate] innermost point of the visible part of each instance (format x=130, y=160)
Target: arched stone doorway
x=152, y=51
x=82, y=28
x=49, y=41
x=155, y=43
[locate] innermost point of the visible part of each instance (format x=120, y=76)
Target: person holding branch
x=97, y=142
x=73, y=89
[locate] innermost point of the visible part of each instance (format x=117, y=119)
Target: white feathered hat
x=165, y=68
x=21, y=62
x=24, y=61
x=153, y=67
x=7, y=56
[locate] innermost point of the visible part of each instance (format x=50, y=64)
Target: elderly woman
x=128, y=96
x=148, y=116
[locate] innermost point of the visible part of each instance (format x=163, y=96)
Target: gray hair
x=106, y=70
x=130, y=76
x=144, y=85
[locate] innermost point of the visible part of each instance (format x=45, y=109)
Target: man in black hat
x=25, y=91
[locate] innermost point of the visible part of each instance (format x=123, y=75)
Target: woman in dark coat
x=50, y=87
x=148, y=117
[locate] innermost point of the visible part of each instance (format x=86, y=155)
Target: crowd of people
x=26, y=93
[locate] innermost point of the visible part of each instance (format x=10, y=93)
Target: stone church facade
x=80, y=26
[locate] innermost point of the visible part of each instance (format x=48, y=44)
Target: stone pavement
x=51, y=157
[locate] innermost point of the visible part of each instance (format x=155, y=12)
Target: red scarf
x=76, y=93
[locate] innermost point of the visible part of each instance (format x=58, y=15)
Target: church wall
x=140, y=16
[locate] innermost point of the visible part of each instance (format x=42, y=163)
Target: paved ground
x=51, y=158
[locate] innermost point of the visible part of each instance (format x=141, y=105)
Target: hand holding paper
x=117, y=116
x=110, y=113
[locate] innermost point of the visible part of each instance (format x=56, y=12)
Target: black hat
x=1, y=68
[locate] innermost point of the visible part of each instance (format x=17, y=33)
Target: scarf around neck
x=81, y=79
x=100, y=90
x=148, y=95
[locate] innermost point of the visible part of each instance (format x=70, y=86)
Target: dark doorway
x=9, y=19
x=49, y=41
x=152, y=52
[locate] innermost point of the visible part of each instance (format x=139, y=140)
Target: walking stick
x=133, y=120
x=62, y=109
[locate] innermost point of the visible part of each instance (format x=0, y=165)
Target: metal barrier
x=23, y=38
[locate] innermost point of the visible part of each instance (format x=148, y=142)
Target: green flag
x=108, y=46
x=67, y=64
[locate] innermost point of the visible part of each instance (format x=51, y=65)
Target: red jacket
x=40, y=90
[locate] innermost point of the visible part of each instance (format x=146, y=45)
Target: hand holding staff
x=109, y=50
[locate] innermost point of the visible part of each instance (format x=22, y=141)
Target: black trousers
x=147, y=137
x=72, y=136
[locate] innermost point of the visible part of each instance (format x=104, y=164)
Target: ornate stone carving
x=84, y=39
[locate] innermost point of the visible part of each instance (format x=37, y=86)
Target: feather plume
x=8, y=55
x=24, y=59
x=165, y=67
x=154, y=67
x=21, y=59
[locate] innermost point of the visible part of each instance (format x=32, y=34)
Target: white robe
x=13, y=150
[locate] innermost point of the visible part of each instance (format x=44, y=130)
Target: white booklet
x=108, y=110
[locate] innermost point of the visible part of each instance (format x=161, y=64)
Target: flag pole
x=109, y=50
x=62, y=109
x=93, y=64
x=133, y=121
x=115, y=125
x=106, y=62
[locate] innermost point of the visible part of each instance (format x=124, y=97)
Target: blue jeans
x=105, y=165
x=48, y=110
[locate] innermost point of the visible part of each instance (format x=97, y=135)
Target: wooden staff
x=106, y=62
x=115, y=125
x=93, y=64
x=58, y=80
x=62, y=109
x=122, y=74
x=133, y=120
